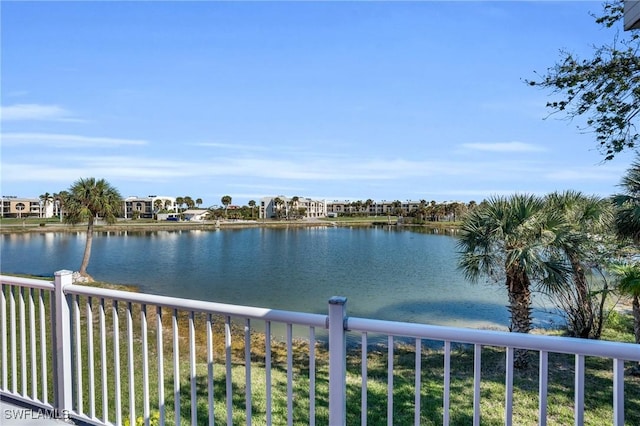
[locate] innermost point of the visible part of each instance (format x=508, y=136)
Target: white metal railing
x=106, y=357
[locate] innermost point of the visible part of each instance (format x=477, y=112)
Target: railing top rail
x=27, y=282
x=569, y=345
x=264, y=314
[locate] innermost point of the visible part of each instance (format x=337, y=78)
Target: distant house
x=195, y=215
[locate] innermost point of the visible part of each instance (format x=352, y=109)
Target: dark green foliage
x=604, y=88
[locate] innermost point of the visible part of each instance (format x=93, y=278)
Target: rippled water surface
x=386, y=273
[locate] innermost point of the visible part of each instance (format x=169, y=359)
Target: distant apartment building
x=146, y=207
x=26, y=207
x=282, y=207
x=373, y=208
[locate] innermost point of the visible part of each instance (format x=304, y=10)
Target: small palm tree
x=630, y=285
x=512, y=239
x=45, y=199
x=278, y=202
x=88, y=199
x=189, y=202
x=628, y=204
x=589, y=220
x=225, y=200
x=179, y=203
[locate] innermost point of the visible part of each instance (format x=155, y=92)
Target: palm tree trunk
x=87, y=249
x=585, y=309
x=518, y=287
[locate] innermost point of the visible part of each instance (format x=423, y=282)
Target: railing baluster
x=267, y=367
x=289, y=374
x=116, y=362
x=210, y=389
x=90, y=360
x=176, y=366
x=477, y=355
x=312, y=376
x=447, y=383
x=14, y=348
x=417, y=403
x=364, y=374
x=103, y=361
x=227, y=360
x=79, y=369
x=579, y=390
x=23, y=342
x=543, y=388
x=160, y=350
x=130, y=365
x=508, y=397
x=390, y=380
x=32, y=342
x=192, y=369
x=43, y=349
x=618, y=392
x=247, y=371
x=3, y=335
x=145, y=364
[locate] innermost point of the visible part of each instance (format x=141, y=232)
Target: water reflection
x=386, y=272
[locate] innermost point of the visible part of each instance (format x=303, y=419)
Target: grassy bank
x=598, y=379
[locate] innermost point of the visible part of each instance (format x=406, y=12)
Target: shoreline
x=130, y=225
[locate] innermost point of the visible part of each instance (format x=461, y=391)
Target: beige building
x=26, y=207
x=146, y=207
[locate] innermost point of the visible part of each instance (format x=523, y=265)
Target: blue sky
x=329, y=100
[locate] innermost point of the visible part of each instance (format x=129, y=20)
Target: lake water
x=385, y=272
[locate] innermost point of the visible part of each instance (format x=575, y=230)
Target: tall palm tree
x=628, y=204
x=88, y=199
x=198, y=202
x=589, y=220
x=225, y=200
x=252, y=204
x=511, y=239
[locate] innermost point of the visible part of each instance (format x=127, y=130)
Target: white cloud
x=33, y=112
x=65, y=141
x=504, y=147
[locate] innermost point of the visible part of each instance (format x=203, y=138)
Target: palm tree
x=628, y=204
x=189, y=202
x=179, y=202
x=278, y=202
x=60, y=199
x=198, y=202
x=45, y=199
x=630, y=284
x=252, y=204
x=511, y=238
x=589, y=220
x=89, y=198
x=225, y=200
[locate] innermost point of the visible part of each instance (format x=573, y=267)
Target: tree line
x=567, y=245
